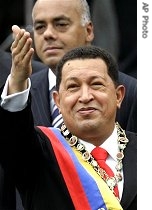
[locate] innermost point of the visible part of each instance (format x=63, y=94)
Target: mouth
x=52, y=50
x=86, y=111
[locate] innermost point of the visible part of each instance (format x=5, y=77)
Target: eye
x=72, y=87
x=97, y=85
x=39, y=28
x=62, y=25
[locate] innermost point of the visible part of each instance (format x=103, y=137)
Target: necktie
x=100, y=155
x=57, y=119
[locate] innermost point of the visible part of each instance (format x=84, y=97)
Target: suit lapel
x=40, y=98
x=130, y=173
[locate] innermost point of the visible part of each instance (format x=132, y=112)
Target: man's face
x=88, y=98
x=58, y=29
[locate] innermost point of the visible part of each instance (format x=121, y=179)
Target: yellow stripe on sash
x=109, y=198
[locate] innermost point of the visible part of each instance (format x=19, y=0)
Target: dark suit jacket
x=8, y=194
x=126, y=116
x=42, y=186
x=5, y=66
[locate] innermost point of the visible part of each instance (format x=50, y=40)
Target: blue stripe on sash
x=90, y=186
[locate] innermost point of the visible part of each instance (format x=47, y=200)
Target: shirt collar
x=110, y=145
x=52, y=79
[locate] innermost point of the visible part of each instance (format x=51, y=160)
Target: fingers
x=22, y=43
x=20, y=40
x=27, y=52
x=22, y=52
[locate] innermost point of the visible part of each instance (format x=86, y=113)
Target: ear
x=89, y=32
x=56, y=98
x=120, y=92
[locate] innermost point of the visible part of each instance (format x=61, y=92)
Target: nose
x=85, y=95
x=50, y=32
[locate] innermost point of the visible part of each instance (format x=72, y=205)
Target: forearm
x=16, y=130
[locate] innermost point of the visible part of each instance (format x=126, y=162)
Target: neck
x=93, y=135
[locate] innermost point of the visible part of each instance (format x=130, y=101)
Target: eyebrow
x=61, y=17
x=92, y=78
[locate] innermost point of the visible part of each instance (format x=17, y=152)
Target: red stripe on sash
x=68, y=171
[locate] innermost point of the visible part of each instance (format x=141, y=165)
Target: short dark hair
x=87, y=52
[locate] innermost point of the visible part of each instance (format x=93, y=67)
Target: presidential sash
x=87, y=189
